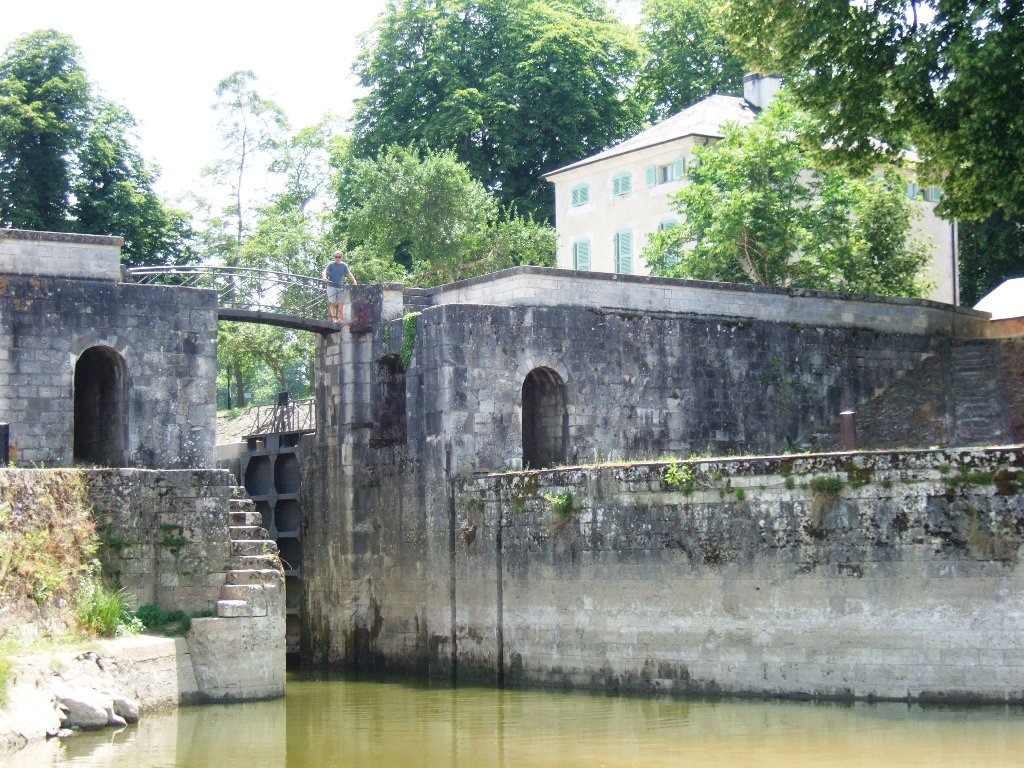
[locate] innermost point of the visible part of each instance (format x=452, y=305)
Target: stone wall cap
x=61, y=237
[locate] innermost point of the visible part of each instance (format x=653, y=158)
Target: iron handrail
x=244, y=288
x=292, y=416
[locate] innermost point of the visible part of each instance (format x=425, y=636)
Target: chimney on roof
x=759, y=90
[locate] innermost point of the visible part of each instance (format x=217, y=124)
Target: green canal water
x=340, y=723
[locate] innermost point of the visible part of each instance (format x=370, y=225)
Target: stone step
x=242, y=503
x=246, y=547
x=255, y=563
x=247, y=517
x=233, y=609
x=253, y=576
x=240, y=532
x=243, y=592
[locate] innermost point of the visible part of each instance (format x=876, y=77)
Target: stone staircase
x=976, y=407
x=254, y=581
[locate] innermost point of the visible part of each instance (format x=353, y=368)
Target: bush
x=157, y=621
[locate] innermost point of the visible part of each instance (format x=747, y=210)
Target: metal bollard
x=848, y=430
x=5, y=445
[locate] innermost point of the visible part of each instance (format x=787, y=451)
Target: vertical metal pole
x=848, y=430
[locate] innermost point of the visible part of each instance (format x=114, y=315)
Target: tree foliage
x=67, y=161
x=251, y=127
x=424, y=219
x=991, y=251
x=688, y=56
x=759, y=211
x=940, y=76
x=515, y=88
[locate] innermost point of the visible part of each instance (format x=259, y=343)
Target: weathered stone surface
x=84, y=710
x=62, y=309
x=752, y=582
x=126, y=708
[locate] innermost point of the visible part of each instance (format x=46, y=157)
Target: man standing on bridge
x=336, y=273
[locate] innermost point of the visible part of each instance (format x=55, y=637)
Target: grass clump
x=5, y=674
x=105, y=611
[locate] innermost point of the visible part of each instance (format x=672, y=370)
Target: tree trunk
x=239, y=386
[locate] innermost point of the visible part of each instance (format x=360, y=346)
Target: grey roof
x=705, y=118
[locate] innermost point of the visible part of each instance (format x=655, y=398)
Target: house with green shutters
x=609, y=204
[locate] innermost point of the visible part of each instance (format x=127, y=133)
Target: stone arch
x=101, y=408
x=545, y=419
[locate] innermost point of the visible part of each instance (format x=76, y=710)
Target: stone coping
x=61, y=237
x=544, y=286
x=756, y=464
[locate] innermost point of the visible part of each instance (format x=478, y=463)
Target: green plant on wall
x=680, y=477
x=172, y=538
x=409, y=325
x=563, y=508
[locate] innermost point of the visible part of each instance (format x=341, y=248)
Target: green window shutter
x=651, y=172
x=912, y=190
x=622, y=184
x=680, y=168
x=580, y=195
x=624, y=252
x=581, y=255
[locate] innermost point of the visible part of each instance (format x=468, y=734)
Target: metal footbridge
x=251, y=295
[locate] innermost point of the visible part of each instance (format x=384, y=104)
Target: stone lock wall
x=889, y=575
x=422, y=565
x=164, y=533
x=59, y=298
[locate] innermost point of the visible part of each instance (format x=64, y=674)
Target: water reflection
x=393, y=725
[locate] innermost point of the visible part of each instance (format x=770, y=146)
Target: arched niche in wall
x=545, y=419
x=391, y=423
x=101, y=408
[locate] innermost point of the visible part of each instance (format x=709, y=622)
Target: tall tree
x=758, y=211
x=426, y=220
x=514, y=87
x=67, y=158
x=44, y=108
x=251, y=127
x=113, y=193
x=940, y=76
x=688, y=56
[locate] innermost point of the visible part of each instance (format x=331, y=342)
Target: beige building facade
x=608, y=205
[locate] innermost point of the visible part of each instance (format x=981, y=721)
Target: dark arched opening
x=391, y=418
x=545, y=419
x=101, y=408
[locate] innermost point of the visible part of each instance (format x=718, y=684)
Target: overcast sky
x=163, y=61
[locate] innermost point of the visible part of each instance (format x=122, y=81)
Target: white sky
x=162, y=61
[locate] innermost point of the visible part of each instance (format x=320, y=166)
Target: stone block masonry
x=164, y=533
x=57, y=254
x=107, y=373
x=876, y=576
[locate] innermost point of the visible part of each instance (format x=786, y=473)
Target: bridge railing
x=244, y=288
x=286, y=416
